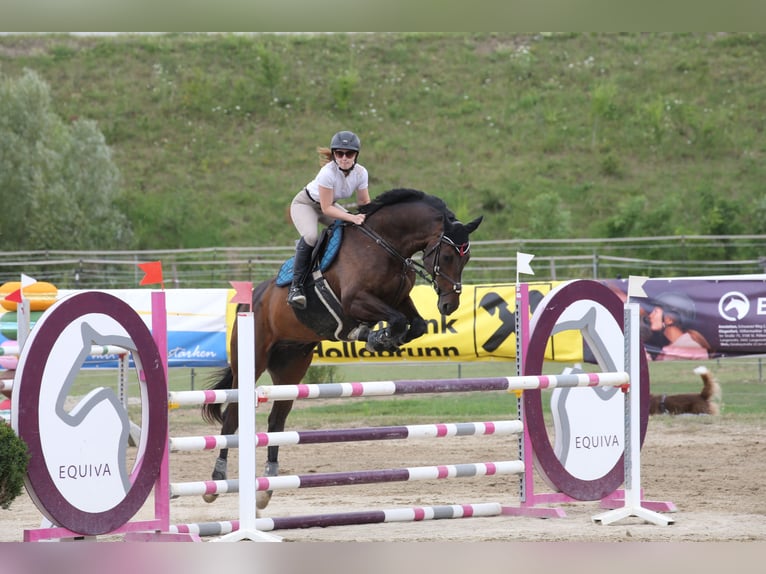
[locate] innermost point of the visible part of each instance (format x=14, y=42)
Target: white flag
x=26, y=281
x=636, y=286
x=523, y=261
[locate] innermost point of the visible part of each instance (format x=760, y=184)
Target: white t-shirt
x=342, y=187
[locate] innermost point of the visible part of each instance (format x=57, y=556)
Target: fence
x=491, y=261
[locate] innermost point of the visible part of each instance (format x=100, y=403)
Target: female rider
x=339, y=177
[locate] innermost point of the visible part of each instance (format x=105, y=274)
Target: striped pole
x=416, y=386
x=414, y=514
x=201, y=488
x=193, y=398
x=95, y=350
x=441, y=430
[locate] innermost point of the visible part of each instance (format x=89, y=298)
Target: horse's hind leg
x=277, y=418
x=288, y=363
x=230, y=424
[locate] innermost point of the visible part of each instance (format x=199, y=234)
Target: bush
x=13, y=464
x=321, y=374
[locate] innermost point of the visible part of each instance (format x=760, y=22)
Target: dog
x=703, y=403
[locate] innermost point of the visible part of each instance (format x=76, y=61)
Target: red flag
x=14, y=297
x=153, y=272
x=243, y=292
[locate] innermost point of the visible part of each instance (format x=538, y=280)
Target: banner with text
x=701, y=318
x=689, y=319
x=482, y=328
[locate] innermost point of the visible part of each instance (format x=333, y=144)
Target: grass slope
x=548, y=135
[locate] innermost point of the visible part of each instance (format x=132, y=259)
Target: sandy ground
x=711, y=468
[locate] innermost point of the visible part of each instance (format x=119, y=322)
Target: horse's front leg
x=367, y=308
x=390, y=337
x=417, y=325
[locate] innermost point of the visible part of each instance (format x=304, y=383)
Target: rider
x=339, y=177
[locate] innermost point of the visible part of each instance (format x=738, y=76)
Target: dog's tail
x=711, y=390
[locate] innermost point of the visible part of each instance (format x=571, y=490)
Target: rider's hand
x=357, y=218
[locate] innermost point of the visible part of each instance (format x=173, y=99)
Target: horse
x=369, y=280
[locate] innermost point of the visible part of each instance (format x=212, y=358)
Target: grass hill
x=548, y=135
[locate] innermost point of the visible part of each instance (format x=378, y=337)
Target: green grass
x=547, y=135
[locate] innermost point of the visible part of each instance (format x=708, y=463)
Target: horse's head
x=446, y=258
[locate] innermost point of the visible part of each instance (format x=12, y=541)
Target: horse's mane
x=405, y=195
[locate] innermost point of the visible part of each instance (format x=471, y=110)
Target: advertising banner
x=197, y=325
x=692, y=319
x=482, y=328
x=700, y=318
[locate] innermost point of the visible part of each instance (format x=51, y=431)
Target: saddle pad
x=329, y=245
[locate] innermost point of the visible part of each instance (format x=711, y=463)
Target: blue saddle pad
x=330, y=239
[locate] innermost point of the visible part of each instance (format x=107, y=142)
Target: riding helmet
x=345, y=140
x=677, y=305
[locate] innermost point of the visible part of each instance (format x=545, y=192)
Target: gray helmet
x=345, y=140
x=677, y=305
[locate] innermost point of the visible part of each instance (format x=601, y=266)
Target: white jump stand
x=246, y=406
x=632, y=507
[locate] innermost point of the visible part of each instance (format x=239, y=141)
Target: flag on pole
x=523, y=261
x=26, y=281
x=243, y=292
x=636, y=286
x=16, y=296
x=153, y=273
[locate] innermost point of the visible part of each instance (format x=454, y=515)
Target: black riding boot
x=295, y=296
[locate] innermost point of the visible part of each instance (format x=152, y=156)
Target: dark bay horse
x=372, y=277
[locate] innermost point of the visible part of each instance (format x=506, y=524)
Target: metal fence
x=491, y=261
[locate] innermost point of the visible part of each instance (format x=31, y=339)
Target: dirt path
x=711, y=468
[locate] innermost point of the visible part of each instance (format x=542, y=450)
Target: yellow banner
x=483, y=328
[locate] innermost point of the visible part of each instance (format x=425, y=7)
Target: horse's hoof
x=209, y=497
x=262, y=499
x=381, y=340
x=359, y=333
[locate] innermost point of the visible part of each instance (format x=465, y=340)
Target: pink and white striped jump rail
x=413, y=514
x=200, y=488
x=439, y=430
x=414, y=386
x=403, y=387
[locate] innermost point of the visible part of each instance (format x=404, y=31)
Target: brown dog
x=703, y=403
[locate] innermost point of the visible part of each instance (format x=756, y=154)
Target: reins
x=418, y=268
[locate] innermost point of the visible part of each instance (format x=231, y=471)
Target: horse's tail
x=223, y=379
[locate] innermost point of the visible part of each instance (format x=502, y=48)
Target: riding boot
x=295, y=296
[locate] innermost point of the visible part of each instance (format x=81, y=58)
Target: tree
x=58, y=184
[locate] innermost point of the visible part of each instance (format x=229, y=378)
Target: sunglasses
x=341, y=153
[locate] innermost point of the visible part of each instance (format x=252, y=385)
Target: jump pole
x=632, y=459
x=246, y=407
x=527, y=496
x=414, y=514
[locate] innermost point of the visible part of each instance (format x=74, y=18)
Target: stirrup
x=296, y=298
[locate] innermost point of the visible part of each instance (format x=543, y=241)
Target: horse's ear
x=471, y=226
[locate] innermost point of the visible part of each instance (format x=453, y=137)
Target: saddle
x=322, y=257
x=323, y=313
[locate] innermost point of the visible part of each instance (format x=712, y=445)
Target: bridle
x=462, y=251
x=435, y=249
